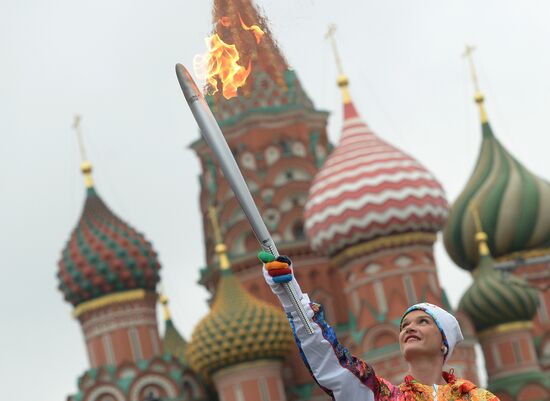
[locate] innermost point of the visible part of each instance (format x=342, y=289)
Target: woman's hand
x=278, y=271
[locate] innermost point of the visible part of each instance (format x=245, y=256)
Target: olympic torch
x=213, y=136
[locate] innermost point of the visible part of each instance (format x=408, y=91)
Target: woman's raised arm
x=340, y=374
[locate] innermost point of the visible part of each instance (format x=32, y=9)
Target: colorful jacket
x=347, y=378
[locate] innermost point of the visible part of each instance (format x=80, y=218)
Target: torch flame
x=223, y=66
x=221, y=61
x=256, y=30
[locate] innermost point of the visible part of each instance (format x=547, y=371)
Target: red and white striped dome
x=368, y=189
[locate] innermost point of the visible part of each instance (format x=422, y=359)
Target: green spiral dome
x=513, y=205
x=239, y=328
x=496, y=297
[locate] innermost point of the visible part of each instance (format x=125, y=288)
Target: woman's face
x=419, y=336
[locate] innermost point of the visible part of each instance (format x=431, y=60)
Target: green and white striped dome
x=513, y=205
x=496, y=297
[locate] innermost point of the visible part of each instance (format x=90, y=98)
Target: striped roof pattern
x=367, y=189
x=105, y=255
x=513, y=206
x=496, y=297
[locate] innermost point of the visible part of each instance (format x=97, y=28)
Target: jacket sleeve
x=340, y=374
x=483, y=395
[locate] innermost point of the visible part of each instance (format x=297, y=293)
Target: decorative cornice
x=380, y=243
x=504, y=328
x=311, y=118
x=119, y=316
x=119, y=297
x=385, y=274
x=529, y=254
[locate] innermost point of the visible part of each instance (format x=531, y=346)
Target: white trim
x=237, y=390
x=109, y=351
x=153, y=333
x=264, y=390
x=496, y=355
x=91, y=355
x=543, y=310
x=380, y=296
x=408, y=283
x=137, y=352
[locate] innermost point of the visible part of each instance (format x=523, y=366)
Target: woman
x=427, y=338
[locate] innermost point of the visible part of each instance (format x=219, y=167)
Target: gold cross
x=78, y=129
x=468, y=54
x=330, y=35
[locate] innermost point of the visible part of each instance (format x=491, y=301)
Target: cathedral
x=359, y=220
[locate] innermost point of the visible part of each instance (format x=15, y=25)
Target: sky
x=113, y=63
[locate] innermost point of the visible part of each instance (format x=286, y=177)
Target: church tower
x=375, y=211
x=501, y=307
x=109, y=271
x=279, y=141
x=511, y=205
x=241, y=344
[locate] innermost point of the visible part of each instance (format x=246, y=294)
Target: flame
x=223, y=66
x=256, y=30
x=220, y=64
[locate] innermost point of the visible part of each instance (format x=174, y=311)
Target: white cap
x=447, y=323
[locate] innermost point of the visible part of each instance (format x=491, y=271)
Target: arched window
x=298, y=230
x=272, y=154
x=248, y=161
x=299, y=149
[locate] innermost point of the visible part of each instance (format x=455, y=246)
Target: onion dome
x=369, y=189
x=173, y=342
x=239, y=327
x=497, y=297
x=104, y=254
x=271, y=86
x=514, y=204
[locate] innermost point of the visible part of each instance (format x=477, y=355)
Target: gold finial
x=468, y=53
x=165, y=309
x=481, y=236
x=85, y=166
x=343, y=80
x=221, y=249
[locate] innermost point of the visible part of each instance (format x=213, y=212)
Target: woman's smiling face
x=419, y=336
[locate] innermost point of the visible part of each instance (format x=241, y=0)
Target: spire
x=479, y=98
x=368, y=191
x=229, y=17
x=271, y=86
x=342, y=81
x=221, y=249
x=513, y=202
x=85, y=166
x=481, y=236
x=173, y=342
x=165, y=308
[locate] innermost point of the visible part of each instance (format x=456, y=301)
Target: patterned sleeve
x=480, y=394
x=340, y=374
